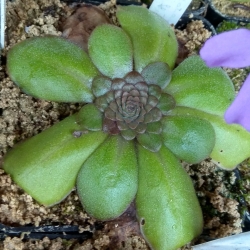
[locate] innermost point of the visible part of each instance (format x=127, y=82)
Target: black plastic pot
x=242, y=203
x=97, y=2
x=52, y=232
x=199, y=10
x=186, y=18
x=246, y=222
x=216, y=17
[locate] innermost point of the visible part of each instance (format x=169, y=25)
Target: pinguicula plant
x=142, y=116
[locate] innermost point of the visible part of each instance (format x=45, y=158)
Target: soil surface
x=232, y=8
x=22, y=116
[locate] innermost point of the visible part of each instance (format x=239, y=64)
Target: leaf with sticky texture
x=197, y=86
x=152, y=37
x=232, y=141
x=157, y=73
x=190, y=138
x=166, y=103
x=52, y=68
x=90, y=117
x=101, y=85
x=111, y=51
x=167, y=207
x=107, y=181
x=150, y=141
x=46, y=165
x=154, y=127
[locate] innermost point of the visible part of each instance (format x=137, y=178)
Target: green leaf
x=232, y=144
x=90, y=118
x=152, y=37
x=157, y=73
x=101, y=85
x=155, y=90
x=101, y=102
x=128, y=134
x=150, y=141
x=197, y=86
x=167, y=207
x=107, y=182
x=190, y=138
x=111, y=50
x=52, y=68
x=46, y=165
x=166, y=103
x=154, y=127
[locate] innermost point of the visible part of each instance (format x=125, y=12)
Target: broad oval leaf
x=46, y=165
x=152, y=37
x=52, y=68
x=111, y=51
x=190, y=138
x=232, y=141
x=197, y=86
x=107, y=181
x=167, y=207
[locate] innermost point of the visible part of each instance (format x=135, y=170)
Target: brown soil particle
x=24, y=116
x=193, y=36
x=18, y=208
x=215, y=190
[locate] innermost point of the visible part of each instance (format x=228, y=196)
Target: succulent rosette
x=142, y=116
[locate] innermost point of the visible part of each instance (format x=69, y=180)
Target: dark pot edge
x=216, y=17
x=186, y=18
x=200, y=11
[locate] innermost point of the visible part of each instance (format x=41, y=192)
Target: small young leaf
x=101, y=85
x=155, y=90
x=46, y=165
x=166, y=103
x=154, y=127
x=52, y=68
x=128, y=134
x=167, y=207
x=150, y=141
x=107, y=181
x=90, y=117
x=157, y=73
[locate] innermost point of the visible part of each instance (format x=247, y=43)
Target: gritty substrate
x=233, y=8
x=22, y=116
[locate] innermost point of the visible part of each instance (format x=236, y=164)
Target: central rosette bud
x=127, y=108
x=130, y=104
x=134, y=105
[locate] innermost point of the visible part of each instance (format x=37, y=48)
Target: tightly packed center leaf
x=134, y=105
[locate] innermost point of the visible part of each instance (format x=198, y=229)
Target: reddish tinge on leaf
x=78, y=27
